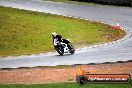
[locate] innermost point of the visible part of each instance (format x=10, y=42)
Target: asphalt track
x=112, y=52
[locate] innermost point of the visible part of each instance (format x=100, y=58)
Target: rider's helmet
x=54, y=34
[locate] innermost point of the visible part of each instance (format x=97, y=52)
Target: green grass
x=66, y=85
x=27, y=32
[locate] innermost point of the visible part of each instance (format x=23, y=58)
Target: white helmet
x=54, y=33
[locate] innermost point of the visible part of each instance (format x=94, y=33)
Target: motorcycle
x=64, y=47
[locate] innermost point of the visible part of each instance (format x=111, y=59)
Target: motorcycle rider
x=63, y=44
x=57, y=39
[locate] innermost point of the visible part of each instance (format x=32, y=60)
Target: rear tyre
x=71, y=48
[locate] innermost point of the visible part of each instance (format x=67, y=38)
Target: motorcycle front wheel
x=59, y=50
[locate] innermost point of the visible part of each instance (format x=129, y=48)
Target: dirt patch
x=59, y=74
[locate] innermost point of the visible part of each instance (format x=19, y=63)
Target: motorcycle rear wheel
x=72, y=49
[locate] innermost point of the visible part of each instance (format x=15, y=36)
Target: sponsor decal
x=108, y=78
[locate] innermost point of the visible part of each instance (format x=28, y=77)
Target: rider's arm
x=55, y=41
x=59, y=37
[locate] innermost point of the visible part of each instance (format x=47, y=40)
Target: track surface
x=121, y=51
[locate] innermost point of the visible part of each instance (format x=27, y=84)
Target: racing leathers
x=57, y=40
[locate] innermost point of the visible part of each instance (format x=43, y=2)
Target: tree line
x=110, y=2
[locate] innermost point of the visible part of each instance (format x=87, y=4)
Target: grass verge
x=72, y=1
x=92, y=3
x=67, y=85
x=27, y=32
x=60, y=0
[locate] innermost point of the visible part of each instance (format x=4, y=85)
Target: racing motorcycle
x=64, y=47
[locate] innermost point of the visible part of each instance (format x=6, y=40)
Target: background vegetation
x=109, y=2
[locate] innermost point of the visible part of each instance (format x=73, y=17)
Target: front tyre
x=59, y=50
